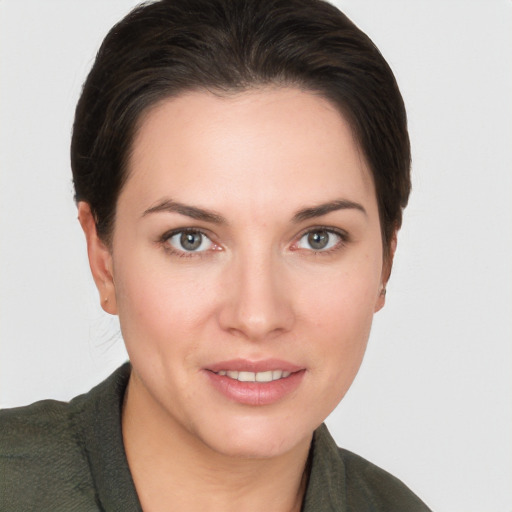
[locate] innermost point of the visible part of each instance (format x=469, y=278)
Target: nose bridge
x=259, y=305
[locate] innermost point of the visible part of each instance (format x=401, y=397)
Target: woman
x=240, y=171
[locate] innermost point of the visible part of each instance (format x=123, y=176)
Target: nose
x=258, y=304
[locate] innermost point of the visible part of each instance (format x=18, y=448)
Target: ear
x=386, y=271
x=100, y=259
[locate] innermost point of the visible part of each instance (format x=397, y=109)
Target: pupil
x=190, y=241
x=318, y=239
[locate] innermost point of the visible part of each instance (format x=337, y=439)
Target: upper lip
x=245, y=365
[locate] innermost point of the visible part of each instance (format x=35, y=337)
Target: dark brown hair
x=164, y=48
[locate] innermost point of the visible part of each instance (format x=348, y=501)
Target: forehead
x=257, y=145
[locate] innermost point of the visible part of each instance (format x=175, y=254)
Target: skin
x=258, y=290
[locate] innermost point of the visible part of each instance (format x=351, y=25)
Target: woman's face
x=247, y=261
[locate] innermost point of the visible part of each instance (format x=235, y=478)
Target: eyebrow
x=325, y=208
x=168, y=205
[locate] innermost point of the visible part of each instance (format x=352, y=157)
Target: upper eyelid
x=205, y=232
x=164, y=242
x=343, y=235
x=171, y=232
x=331, y=229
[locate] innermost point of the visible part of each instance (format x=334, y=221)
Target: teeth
x=246, y=376
x=277, y=374
x=267, y=376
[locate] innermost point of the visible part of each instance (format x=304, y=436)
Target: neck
x=170, y=465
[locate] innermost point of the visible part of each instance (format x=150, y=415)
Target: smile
x=243, y=376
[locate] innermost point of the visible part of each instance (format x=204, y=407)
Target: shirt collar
x=100, y=427
x=325, y=491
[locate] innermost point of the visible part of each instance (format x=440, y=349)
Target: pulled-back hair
x=165, y=48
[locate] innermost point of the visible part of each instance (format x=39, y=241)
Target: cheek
x=343, y=327
x=340, y=310
x=161, y=304
x=343, y=300
x=343, y=324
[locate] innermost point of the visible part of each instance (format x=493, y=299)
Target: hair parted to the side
x=165, y=48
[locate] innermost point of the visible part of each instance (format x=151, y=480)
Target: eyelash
x=343, y=240
x=164, y=241
x=343, y=236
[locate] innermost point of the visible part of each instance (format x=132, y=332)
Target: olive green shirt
x=57, y=456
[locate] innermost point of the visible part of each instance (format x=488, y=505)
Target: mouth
x=244, y=376
x=255, y=383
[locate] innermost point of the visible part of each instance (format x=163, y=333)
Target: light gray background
x=433, y=400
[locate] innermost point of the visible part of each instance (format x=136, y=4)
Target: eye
x=189, y=241
x=319, y=240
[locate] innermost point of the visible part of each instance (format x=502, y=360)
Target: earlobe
x=381, y=298
x=386, y=272
x=100, y=259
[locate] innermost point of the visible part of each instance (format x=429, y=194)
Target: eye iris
x=190, y=241
x=318, y=239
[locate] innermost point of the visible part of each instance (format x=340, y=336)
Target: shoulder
x=342, y=480
x=42, y=462
x=67, y=456
x=367, y=484
x=23, y=428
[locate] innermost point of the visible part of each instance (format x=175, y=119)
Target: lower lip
x=256, y=393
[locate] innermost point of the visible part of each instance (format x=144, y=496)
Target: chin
x=260, y=438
